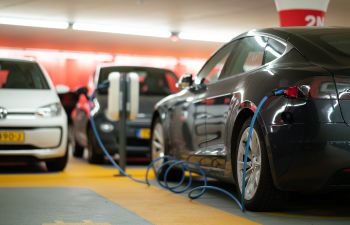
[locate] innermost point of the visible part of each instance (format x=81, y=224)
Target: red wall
x=74, y=68
x=70, y=72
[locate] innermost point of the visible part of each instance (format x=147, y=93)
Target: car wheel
x=260, y=192
x=94, y=155
x=78, y=150
x=158, y=148
x=58, y=164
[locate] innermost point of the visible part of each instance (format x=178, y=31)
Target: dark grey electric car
x=155, y=83
x=300, y=142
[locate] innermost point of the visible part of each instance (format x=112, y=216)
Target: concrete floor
x=90, y=195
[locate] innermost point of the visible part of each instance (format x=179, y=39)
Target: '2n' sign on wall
x=301, y=12
x=313, y=20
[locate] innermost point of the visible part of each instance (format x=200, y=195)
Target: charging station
x=123, y=105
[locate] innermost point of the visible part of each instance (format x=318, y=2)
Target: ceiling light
x=34, y=23
x=149, y=32
x=206, y=36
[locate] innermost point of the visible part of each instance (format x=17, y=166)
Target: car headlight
x=106, y=127
x=49, y=110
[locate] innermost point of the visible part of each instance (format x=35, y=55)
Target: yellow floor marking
x=152, y=203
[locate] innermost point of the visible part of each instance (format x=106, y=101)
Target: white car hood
x=26, y=101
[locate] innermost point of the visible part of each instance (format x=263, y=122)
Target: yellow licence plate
x=143, y=133
x=11, y=136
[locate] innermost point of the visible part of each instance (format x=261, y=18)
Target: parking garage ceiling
x=203, y=16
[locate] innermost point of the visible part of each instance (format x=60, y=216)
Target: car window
x=214, y=67
x=152, y=81
x=247, y=55
x=333, y=40
x=274, y=49
x=21, y=75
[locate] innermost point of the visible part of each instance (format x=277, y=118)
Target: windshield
x=152, y=81
x=21, y=75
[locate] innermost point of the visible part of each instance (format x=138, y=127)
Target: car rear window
x=335, y=42
x=152, y=81
x=21, y=75
x=339, y=42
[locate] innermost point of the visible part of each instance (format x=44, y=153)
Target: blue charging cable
x=169, y=163
x=247, y=146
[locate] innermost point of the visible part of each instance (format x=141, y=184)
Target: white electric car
x=33, y=123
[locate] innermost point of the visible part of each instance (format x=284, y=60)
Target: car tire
x=58, y=164
x=159, y=147
x=94, y=155
x=78, y=150
x=260, y=193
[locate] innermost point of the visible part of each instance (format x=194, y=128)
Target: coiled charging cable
x=169, y=163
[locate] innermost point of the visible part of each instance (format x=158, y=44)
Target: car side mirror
x=68, y=101
x=62, y=89
x=202, y=86
x=185, y=81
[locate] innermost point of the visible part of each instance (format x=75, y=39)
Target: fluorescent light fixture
x=34, y=22
x=117, y=29
x=209, y=36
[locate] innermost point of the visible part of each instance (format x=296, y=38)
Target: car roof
x=135, y=67
x=301, y=29
x=297, y=36
x=131, y=67
x=297, y=31
x=17, y=60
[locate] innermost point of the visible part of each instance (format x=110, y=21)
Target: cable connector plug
x=278, y=92
x=290, y=92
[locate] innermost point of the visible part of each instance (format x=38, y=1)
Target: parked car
x=33, y=124
x=299, y=143
x=155, y=83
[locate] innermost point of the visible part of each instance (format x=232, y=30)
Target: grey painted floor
x=20, y=206
x=36, y=206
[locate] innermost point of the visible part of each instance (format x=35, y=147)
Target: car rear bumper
x=310, y=157
x=137, y=142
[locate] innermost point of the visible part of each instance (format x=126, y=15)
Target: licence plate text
x=143, y=133
x=11, y=136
